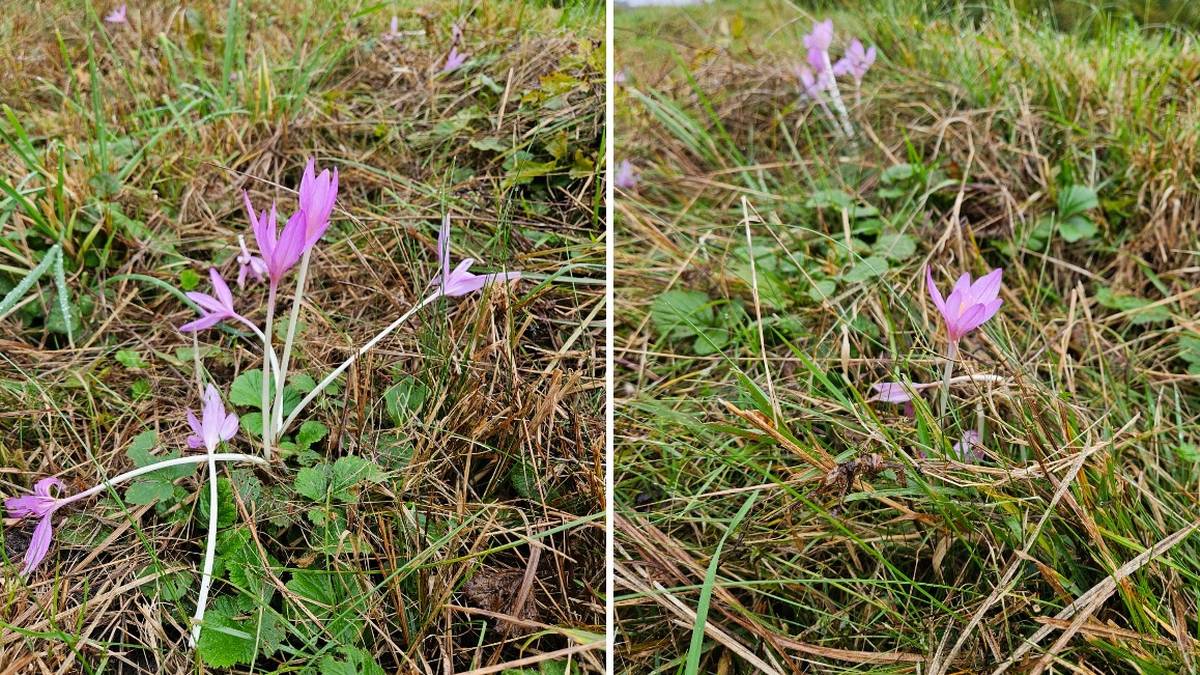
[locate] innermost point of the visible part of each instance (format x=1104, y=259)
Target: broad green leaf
x=312, y=482
x=895, y=246
x=866, y=269
x=679, y=313
x=1076, y=200
x=1075, y=228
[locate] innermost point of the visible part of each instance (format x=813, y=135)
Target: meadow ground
x=440, y=510
x=769, y=271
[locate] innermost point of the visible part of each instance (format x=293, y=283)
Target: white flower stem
x=165, y=464
x=210, y=551
x=346, y=364
x=836, y=95
x=297, y=299
x=948, y=369
x=266, y=383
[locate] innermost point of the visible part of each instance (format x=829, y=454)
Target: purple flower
x=890, y=392
x=214, y=425
x=454, y=59
x=249, y=264
x=821, y=36
x=317, y=195
x=969, y=304
x=620, y=77
x=969, y=447
x=817, y=59
x=461, y=281
x=626, y=177
x=855, y=62
x=280, y=250
x=41, y=504
x=117, y=15
x=814, y=84
x=212, y=310
x=393, y=29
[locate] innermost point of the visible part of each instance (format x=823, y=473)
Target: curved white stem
x=836, y=95
x=210, y=551
x=293, y=319
x=346, y=364
x=266, y=384
x=166, y=463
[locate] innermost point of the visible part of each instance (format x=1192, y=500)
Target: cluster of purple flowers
x=279, y=250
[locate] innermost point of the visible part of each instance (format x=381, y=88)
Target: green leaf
x=251, y=423
x=188, y=279
x=226, y=507
x=710, y=340
x=821, y=290
x=309, y=433
x=139, y=449
x=895, y=246
x=131, y=359
x=1075, y=228
x=312, y=482
x=1076, y=200
x=524, y=480
x=866, y=269
x=824, y=199
x=246, y=390
x=229, y=636
x=897, y=173
x=1139, y=310
x=334, y=598
x=148, y=490
x=404, y=399
x=679, y=314
x=244, y=568
x=350, y=471
x=355, y=661
x=170, y=587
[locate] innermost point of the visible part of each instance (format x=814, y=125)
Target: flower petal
x=207, y=302
x=221, y=289
x=42, y=487
x=987, y=288
x=890, y=392
x=967, y=321
x=204, y=322
x=229, y=427
x=934, y=293
x=39, y=544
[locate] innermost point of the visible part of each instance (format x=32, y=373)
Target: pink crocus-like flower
x=117, y=15
x=213, y=310
x=393, y=29
x=890, y=392
x=969, y=305
x=280, y=250
x=249, y=265
x=814, y=83
x=317, y=195
x=821, y=36
x=41, y=504
x=460, y=281
x=214, y=425
x=626, y=176
x=856, y=61
x=454, y=60
x=968, y=447
x=620, y=77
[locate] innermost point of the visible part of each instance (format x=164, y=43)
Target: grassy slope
x=132, y=145
x=995, y=116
